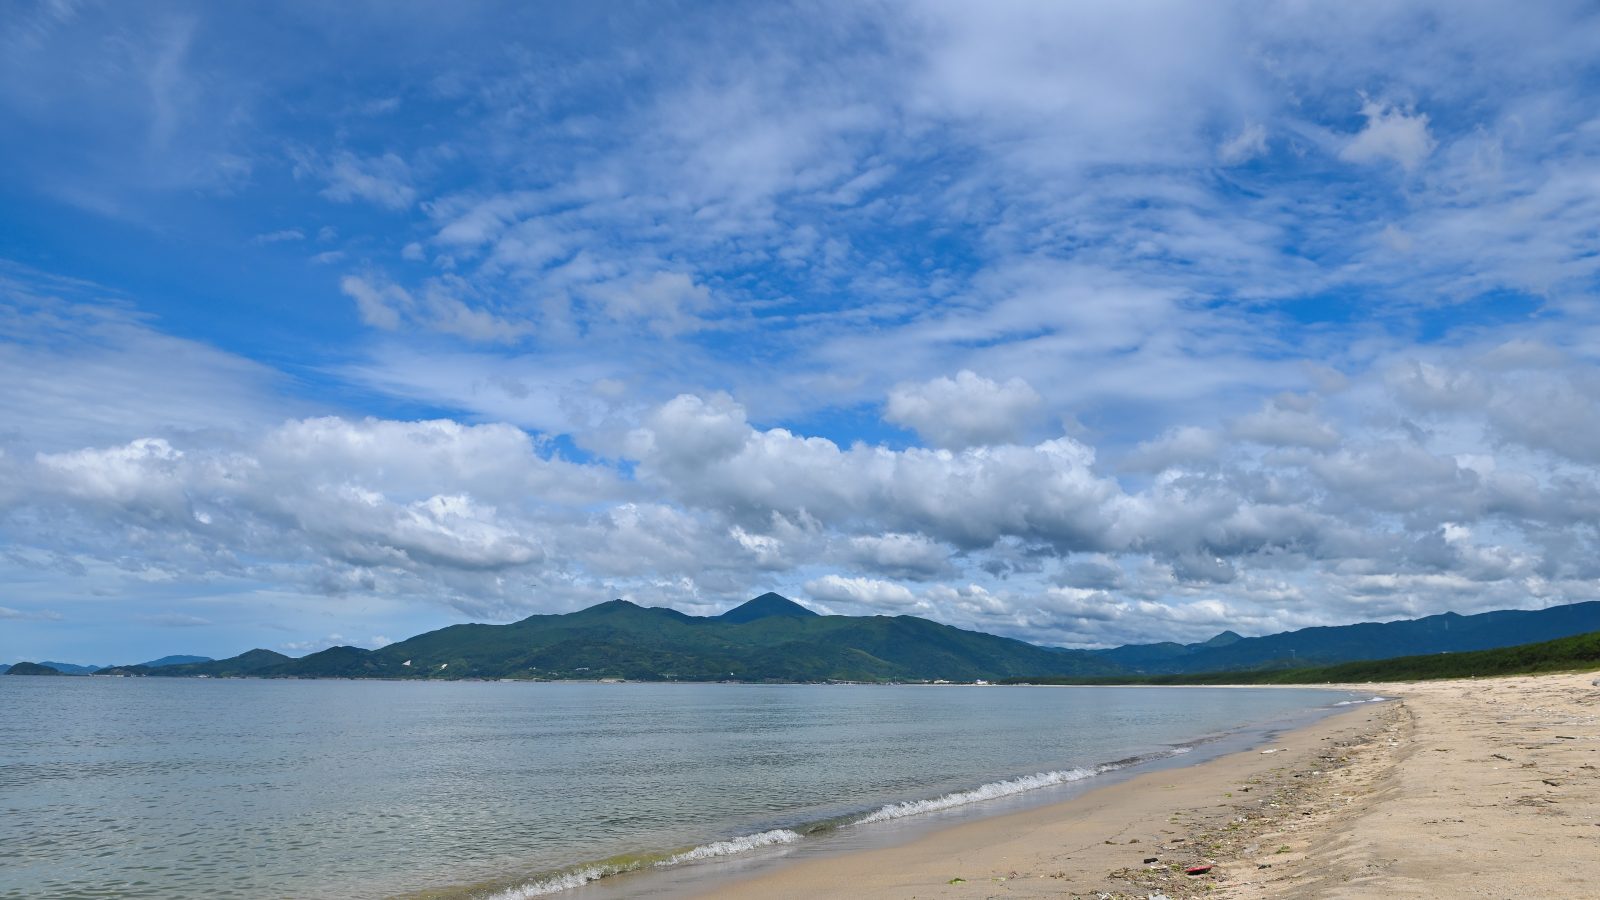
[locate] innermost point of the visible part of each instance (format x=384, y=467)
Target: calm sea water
x=204, y=788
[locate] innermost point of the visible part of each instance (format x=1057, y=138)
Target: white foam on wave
x=1368, y=700
x=735, y=845
x=553, y=884
x=991, y=791
x=576, y=878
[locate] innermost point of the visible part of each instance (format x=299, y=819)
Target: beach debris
x=1263, y=865
x=1159, y=897
x=1197, y=870
x=1273, y=750
x=1150, y=859
x=956, y=881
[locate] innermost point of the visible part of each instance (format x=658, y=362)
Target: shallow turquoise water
x=209, y=788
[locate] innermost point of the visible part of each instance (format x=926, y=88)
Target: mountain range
x=75, y=669
x=772, y=638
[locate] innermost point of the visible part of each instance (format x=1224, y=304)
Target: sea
x=220, y=788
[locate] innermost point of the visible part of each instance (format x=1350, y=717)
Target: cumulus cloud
x=704, y=452
x=430, y=502
x=1392, y=135
x=910, y=556
x=871, y=593
x=1285, y=421
x=964, y=411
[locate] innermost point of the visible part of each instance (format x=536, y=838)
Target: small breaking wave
x=563, y=881
x=991, y=791
x=997, y=789
x=730, y=847
x=580, y=876
x=1368, y=700
x=576, y=878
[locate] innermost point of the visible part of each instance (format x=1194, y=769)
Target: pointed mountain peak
x=765, y=606
x=610, y=606
x=1224, y=639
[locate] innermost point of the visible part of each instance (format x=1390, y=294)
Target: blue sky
x=1080, y=323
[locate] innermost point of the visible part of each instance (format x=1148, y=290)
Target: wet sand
x=1479, y=788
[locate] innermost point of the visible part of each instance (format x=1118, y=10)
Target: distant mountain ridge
x=75, y=669
x=69, y=668
x=1329, y=645
x=772, y=638
x=177, y=660
x=769, y=638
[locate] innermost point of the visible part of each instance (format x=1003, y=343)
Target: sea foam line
x=563, y=881
x=730, y=847
x=991, y=791
x=1369, y=700
x=576, y=878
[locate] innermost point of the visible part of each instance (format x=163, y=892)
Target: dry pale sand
x=1482, y=788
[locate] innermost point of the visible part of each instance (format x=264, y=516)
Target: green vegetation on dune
x=1577, y=653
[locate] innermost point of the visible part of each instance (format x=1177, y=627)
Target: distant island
x=774, y=639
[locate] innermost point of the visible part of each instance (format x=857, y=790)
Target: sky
x=1085, y=324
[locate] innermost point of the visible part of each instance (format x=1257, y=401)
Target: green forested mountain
x=768, y=638
x=28, y=668
x=772, y=638
x=1576, y=653
x=1446, y=633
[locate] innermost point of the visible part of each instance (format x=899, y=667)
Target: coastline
x=819, y=853
x=1456, y=788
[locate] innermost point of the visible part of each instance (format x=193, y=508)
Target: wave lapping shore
x=1487, y=787
x=586, y=874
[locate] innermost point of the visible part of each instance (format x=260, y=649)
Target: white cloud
x=1390, y=134
x=667, y=302
x=380, y=180
x=910, y=556
x=964, y=411
x=42, y=615
x=438, y=308
x=1285, y=421
x=705, y=453
x=870, y=593
x=1249, y=143
x=278, y=237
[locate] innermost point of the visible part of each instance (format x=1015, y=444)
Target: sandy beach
x=1479, y=788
